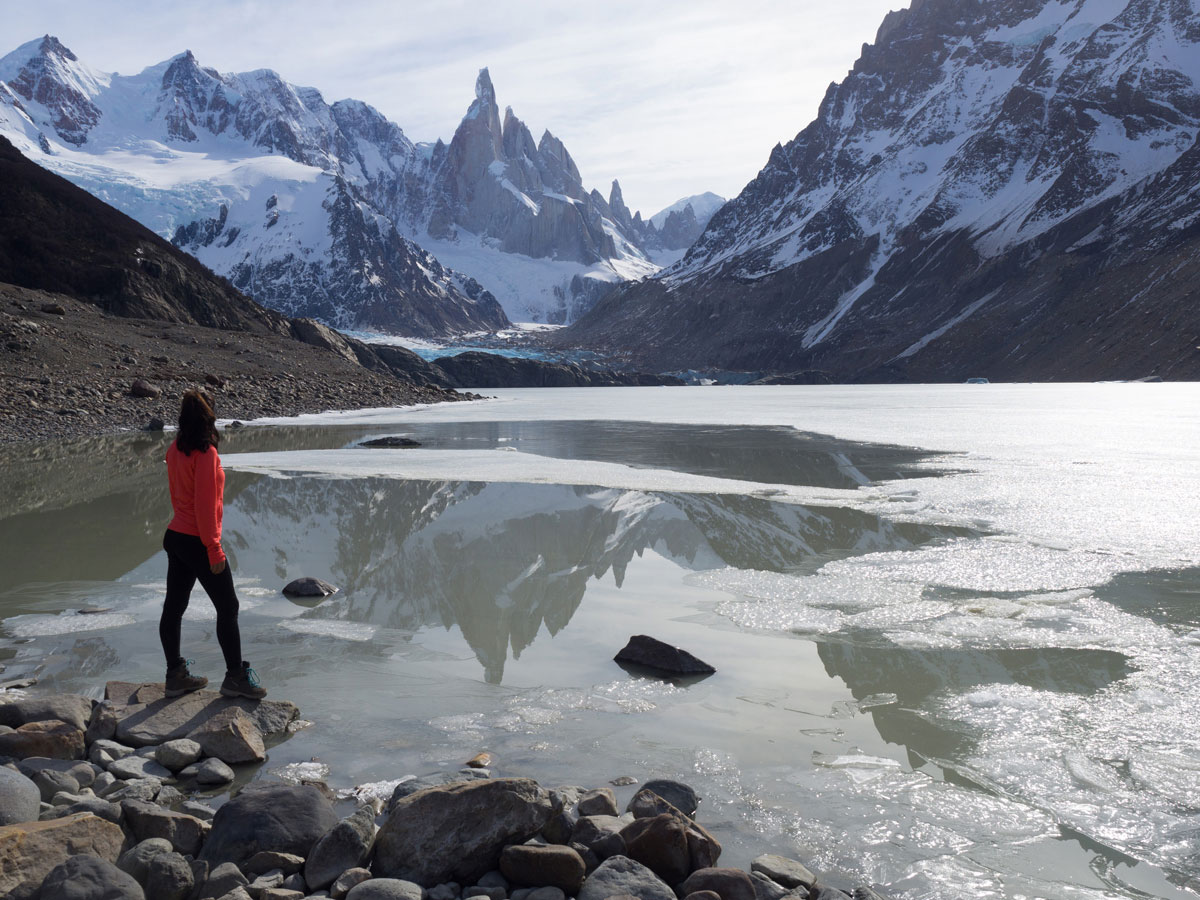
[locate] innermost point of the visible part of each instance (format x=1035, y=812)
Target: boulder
x=136, y=860
x=144, y=389
x=178, y=754
x=70, y=708
x=113, y=749
x=456, y=832
x=678, y=794
x=598, y=802
x=134, y=789
x=50, y=782
x=281, y=893
x=385, y=889
x=146, y=716
x=281, y=817
x=545, y=893
x=622, y=875
x=87, y=804
x=731, y=884
x=345, y=846
x=660, y=844
x=222, y=880
x=703, y=895
x=52, y=738
x=538, y=866
x=169, y=878
x=309, y=587
x=643, y=650
x=20, y=799
x=211, y=771
x=83, y=772
x=231, y=736
x=780, y=869
x=148, y=820
x=392, y=441
x=89, y=878
x=138, y=767
x=348, y=879
x=103, y=724
x=30, y=850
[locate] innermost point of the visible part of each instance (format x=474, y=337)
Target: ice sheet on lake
x=334, y=628
x=509, y=466
x=68, y=622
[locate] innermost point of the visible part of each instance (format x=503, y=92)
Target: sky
x=671, y=97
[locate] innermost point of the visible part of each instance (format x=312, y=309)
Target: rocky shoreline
x=102, y=800
x=68, y=370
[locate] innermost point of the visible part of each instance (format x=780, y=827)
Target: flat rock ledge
x=115, y=825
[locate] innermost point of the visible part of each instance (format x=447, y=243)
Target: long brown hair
x=197, y=423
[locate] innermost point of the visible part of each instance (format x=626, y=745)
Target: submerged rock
x=643, y=650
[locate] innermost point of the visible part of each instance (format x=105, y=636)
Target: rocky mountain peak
x=57, y=88
x=52, y=46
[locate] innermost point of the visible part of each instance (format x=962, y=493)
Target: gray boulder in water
x=643, y=650
x=309, y=587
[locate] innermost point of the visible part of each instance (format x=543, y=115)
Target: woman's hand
x=218, y=567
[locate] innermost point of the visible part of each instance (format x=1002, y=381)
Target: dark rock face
x=923, y=229
x=279, y=817
x=478, y=369
x=643, y=650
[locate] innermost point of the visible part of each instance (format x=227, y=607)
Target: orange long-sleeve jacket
x=197, y=484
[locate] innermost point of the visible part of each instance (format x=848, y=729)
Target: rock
x=660, y=844
x=309, y=587
x=105, y=781
x=825, y=892
x=136, y=860
x=222, y=880
x=134, y=789
x=391, y=441
x=89, y=804
x=54, y=309
x=170, y=878
x=766, y=889
x=238, y=893
x=456, y=832
x=590, y=859
x=451, y=890
x=212, y=771
x=643, y=650
x=168, y=796
x=144, y=389
x=154, y=423
x=281, y=817
x=295, y=882
x=146, y=820
x=84, y=773
x=146, y=716
x=351, y=877
x=559, y=828
x=545, y=893
x=555, y=866
x=178, y=754
x=787, y=872
x=704, y=849
x=281, y=893
x=138, y=767
x=214, y=380
x=482, y=760
x=89, y=878
x=265, y=882
x=622, y=875
x=52, y=738
x=70, y=708
x=269, y=860
x=50, y=782
x=731, y=884
x=679, y=795
x=29, y=851
x=345, y=846
x=597, y=833
x=114, y=750
x=599, y=802
x=103, y=724
x=703, y=895
x=385, y=889
x=866, y=893
x=231, y=736
x=487, y=893
x=198, y=809
x=19, y=798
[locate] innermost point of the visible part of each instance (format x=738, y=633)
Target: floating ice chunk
x=335, y=628
x=299, y=772
x=68, y=622
x=373, y=790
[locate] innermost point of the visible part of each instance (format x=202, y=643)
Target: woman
x=193, y=545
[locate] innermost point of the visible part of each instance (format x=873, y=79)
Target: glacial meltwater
x=956, y=628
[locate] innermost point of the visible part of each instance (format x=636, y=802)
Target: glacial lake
x=956, y=628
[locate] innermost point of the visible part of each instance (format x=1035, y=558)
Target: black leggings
x=187, y=562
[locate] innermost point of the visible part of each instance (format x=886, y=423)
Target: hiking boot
x=243, y=684
x=181, y=681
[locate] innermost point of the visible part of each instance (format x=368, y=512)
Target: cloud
x=671, y=98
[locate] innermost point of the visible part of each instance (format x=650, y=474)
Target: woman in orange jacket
x=193, y=545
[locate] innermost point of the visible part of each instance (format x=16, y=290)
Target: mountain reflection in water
x=499, y=561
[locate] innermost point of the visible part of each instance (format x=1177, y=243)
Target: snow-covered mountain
x=1009, y=189
x=329, y=210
